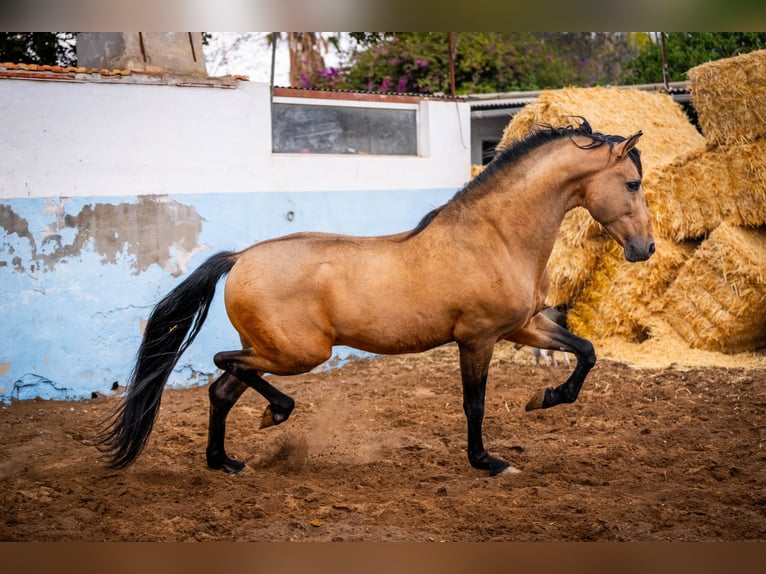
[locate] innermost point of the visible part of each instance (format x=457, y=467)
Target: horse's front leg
x=543, y=333
x=474, y=367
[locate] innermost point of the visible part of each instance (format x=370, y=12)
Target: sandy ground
x=375, y=451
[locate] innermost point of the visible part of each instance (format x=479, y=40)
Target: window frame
x=411, y=104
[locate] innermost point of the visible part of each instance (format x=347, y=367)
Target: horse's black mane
x=542, y=134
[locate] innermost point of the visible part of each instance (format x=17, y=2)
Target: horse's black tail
x=172, y=326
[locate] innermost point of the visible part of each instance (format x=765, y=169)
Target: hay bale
x=619, y=294
x=730, y=98
x=579, y=244
x=476, y=170
x=718, y=300
x=692, y=195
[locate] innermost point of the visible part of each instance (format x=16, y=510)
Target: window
x=335, y=129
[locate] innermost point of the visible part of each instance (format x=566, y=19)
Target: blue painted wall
x=78, y=276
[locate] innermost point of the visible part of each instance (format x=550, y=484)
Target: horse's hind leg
x=244, y=365
x=224, y=392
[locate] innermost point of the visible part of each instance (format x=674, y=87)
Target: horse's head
x=615, y=198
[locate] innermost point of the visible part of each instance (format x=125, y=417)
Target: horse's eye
x=634, y=185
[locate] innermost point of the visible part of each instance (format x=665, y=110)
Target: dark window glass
x=298, y=128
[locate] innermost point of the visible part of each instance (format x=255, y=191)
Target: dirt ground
x=375, y=451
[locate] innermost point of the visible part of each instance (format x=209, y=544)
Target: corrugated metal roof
x=509, y=100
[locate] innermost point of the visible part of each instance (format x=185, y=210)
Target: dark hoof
x=228, y=465
x=494, y=465
x=497, y=466
x=232, y=466
x=507, y=470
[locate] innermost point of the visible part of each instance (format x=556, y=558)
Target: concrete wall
x=110, y=193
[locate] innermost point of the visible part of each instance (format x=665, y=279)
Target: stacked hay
x=730, y=98
x=619, y=297
x=718, y=300
x=579, y=244
x=668, y=133
x=694, y=194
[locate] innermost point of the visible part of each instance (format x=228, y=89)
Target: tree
x=483, y=61
x=306, y=59
x=43, y=48
x=686, y=50
x=598, y=57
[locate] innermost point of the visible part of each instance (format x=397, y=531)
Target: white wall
x=94, y=139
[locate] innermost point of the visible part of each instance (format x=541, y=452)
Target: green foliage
x=484, y=62
x=686, y=50
x=43, y=48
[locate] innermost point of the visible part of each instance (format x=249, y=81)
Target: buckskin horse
x=473, y=272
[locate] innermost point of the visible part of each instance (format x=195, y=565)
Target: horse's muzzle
x=639, y=251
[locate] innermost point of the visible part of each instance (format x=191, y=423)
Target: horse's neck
x=527, y=202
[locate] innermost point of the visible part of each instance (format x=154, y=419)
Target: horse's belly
x=389, y=332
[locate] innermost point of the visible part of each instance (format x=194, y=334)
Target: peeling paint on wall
x=82, y=275
x=152, y=230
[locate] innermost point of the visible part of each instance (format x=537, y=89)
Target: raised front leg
x=474, y=367
x=543, y=333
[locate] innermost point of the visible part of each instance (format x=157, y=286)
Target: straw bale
x=692, y=195
x=476, y=170
x=730, y=98
x=673, y=352
x=718, y=300
x=579, y=244
x=619, y=294
x=667, y=130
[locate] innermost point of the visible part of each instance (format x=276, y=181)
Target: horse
x=472, y=272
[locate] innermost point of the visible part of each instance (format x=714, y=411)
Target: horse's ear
x=624, y=147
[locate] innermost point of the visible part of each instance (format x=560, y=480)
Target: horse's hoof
x=233, y=467
x=537, y=400
x=267, y=418
x=270, y=418
x=227, y=465
x=498, y=467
